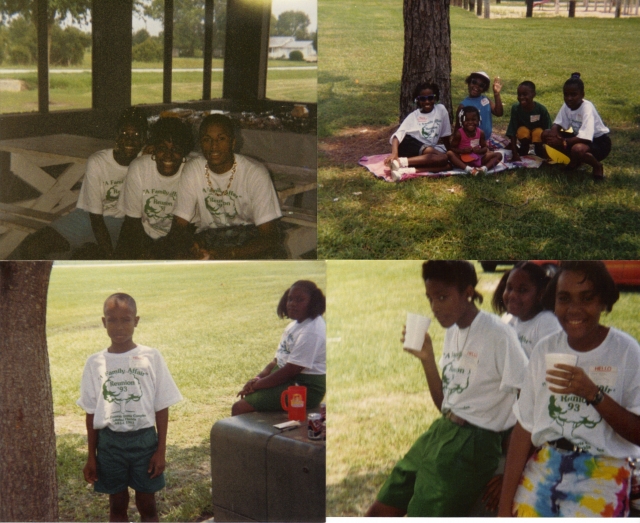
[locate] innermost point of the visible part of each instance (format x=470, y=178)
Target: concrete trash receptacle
x=259, y=473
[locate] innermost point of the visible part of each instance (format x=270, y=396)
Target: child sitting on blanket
x=469, y=145
x=478, y=83
x=416, y=143
x=528, y=120
x=578, y=131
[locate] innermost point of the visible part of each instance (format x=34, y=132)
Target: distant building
x=281, y=47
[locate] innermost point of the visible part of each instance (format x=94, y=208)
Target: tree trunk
x=472, y=5
x=487, y=7
x=529, y=8
x=618, y=6
x=479, y=8
x=427, y=51
x=465, y=4
x=28, y=490
x=572, y=9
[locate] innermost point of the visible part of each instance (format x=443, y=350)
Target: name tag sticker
x=485, y=101
x=469, y=360
x=535, y=118
x=474, y=143
x=603, y=375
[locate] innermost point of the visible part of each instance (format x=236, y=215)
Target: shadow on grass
x=525, y=214
x=186, y=496
x=353, y=495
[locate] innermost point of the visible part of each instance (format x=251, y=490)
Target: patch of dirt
x=354, y=143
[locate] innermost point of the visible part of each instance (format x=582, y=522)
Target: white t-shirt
x=124, y=391
x=532, y=331
x=425, y=127
x=101, y=186
x=614, y=366
x=150, y=196
x=482, y=368
x=251, y=198
x=585, y=121
x=304, y=344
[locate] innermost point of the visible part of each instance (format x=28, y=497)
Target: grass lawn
x=216, y=326
x=73, y=90
x=532, y=213
x=378, y=397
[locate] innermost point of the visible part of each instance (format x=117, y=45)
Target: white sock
x=404, y=162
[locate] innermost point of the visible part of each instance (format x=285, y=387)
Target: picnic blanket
x=496, y=142
x=376, y=165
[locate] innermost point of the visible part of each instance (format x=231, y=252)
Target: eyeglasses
x=427, y=98
x=475, y=81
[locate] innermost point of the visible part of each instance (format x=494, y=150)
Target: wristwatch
x=598, y=399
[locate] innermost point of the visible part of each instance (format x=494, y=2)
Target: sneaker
x=395, y=165
x=483, y=169
x=397, y=174
x=469, y=170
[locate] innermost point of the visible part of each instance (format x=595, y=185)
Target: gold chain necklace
x=219, y=192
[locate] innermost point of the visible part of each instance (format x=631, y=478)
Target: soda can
x=314, y=426
x=323, y=411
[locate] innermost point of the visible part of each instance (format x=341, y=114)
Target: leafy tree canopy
x=293, y=23
x=58, y=10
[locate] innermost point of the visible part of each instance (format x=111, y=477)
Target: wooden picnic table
x=28, y=157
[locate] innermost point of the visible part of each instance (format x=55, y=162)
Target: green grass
x=377, y=396
x=215, y=325
x=73, y=91
x=532, y=213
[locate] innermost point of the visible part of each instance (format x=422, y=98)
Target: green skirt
x=269, y=399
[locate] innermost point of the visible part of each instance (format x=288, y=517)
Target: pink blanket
x=376, y=165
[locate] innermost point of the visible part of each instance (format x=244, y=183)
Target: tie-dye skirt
x=559, y=483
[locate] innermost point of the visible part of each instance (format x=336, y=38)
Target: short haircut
x=458, y=273
x=536, y=274
x=529, y=84
x=121, y=298
x=487, y=83
x=136, y=117
x=317, y=302
x=426, y=85
x=574, y=81
x=469, y=109
x=594, y=271
x=172, y=130
x=218, y=119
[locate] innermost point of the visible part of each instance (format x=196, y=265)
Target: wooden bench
x=259, y=473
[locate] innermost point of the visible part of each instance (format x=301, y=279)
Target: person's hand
x=555, y=141
x=248, y=388
x=427, y=347
x=90, y=470
x=571, y=380
x=466, y=150
x=157, y=464
x=491, y=496
x=497, y=85
x=477, y=150
x=389, y=159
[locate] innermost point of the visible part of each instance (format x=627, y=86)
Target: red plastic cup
x=294, y=401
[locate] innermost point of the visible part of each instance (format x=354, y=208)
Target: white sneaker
x=397, y=174
x=395, y=165
x=483, y=169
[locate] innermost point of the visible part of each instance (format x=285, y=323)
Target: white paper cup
x=417, y=327
x=566, y=359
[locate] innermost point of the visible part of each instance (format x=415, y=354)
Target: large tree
x=28, y=489
x=427, y=50
x=293, y=23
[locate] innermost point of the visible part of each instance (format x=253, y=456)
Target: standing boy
x=126, y=391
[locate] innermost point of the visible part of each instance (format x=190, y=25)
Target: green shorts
x=269, y=399
x=444, y=472
x=123, y=461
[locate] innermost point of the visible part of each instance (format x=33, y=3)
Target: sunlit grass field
x=216, y=326
x=73, y=90
x=527, y=213
x=377, y=397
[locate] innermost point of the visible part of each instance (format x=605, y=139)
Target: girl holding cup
x=301, y=355
x=482, y=364
x=582, y=419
